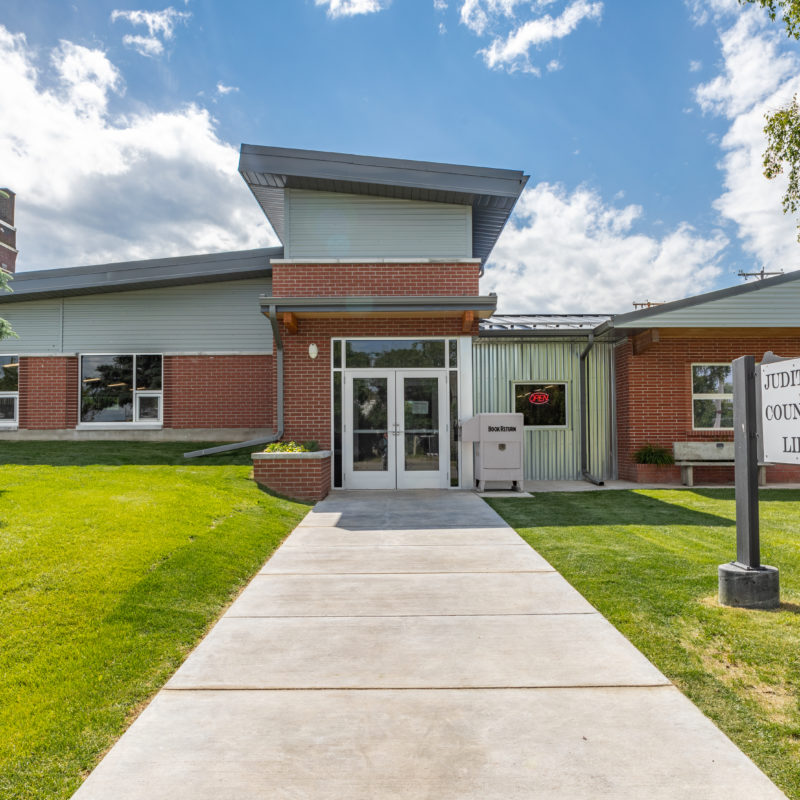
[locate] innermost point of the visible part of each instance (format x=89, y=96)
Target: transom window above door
x=394, y=353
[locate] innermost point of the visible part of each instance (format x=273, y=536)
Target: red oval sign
x=539, y=398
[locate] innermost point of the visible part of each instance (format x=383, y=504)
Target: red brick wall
x=298, y=478
x=307, y=386
x=654, y=395
x=219, y=391
x=337, y=280
x=48, y=392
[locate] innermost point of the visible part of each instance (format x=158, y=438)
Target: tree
x=6, y=330
x=783, y=126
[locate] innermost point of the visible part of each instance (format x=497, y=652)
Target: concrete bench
x=689, y=455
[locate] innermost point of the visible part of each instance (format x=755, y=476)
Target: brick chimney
x=8, y=233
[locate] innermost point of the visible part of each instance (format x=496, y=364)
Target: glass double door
x=395, y=430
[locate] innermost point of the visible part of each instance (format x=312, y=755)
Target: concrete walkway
x=411, y=645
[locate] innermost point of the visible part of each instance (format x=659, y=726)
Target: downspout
x=224, y=448
x=584, y=421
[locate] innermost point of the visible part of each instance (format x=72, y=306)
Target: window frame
x=11, y=424
x=533, y=381
x=707, y=395
x=135, y=422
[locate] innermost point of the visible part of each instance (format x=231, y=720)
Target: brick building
x=366, y=332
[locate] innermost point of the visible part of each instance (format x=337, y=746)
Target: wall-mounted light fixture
x=313, y=350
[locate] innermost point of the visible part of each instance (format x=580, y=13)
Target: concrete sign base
x=748, y=587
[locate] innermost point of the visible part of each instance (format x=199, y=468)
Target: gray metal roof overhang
x=640, y=319
x=492, y=193
x=482, y=306
x=148, y=274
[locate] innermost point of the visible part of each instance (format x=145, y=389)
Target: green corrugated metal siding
x=220, y=317
x=550, y=454
x=334, y=225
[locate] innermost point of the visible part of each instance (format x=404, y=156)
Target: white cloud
x=158, y=23
x=695, y=66
x=93, y=187
x=554, y=65
x=571, y=252
x=511, y=48
x=351, y=8
x=440, y=5
x=222, y=89
x=144, y=45
x=759, y=74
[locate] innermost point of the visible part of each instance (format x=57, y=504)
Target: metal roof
x=492, y=193
x=148, y=274
x=640, y=318
x=541, y=324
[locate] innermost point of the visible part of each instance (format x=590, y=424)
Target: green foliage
x=648, y=560
x=6, y=331
x=652, y=454
x=788, y=9
x=109, y=575
x=286, y=447
x=783, y=126
x=783, y=150
x=312, y=446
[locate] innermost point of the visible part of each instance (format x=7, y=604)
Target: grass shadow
x=764, y=493
x=620, y=507
x=116, y=453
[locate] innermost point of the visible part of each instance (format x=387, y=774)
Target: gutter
x=584, y=421
x=273, y=320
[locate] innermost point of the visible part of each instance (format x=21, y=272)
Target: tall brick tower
x=8, y=233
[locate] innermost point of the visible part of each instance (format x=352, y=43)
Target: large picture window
x=9, y=390
x=543, y=405
x=121, y=389
x=712, y=397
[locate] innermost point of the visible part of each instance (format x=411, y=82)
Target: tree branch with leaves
x=783, y=126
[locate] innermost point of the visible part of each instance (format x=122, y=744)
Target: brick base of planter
x=653, y=473
x=301, y=476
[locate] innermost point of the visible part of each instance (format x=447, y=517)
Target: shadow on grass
x=620, y=507
x=82, y=454
x=766, y=494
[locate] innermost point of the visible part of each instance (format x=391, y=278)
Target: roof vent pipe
x=224, y=448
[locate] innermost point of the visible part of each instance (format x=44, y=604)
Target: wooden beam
x=466, y=321
x=290, y=321
x=644, y=341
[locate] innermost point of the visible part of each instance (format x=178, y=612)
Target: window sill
x=118, y=426
x=8, y=426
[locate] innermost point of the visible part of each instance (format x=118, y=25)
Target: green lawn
x=115, y=558
x=648, y=561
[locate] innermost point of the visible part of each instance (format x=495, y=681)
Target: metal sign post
x=747, y=583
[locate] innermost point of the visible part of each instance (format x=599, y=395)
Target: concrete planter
x=301, y=476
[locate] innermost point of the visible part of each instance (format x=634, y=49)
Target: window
x=390, y=353
x=9, y=391
x=543, y=405
x=712, y=397
x=121, y=389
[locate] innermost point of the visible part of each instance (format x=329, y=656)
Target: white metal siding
x=209, y=317
x=771, y=307
x=335, y=225
x=38, y=324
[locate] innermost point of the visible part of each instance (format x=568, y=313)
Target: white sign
x=780, y=411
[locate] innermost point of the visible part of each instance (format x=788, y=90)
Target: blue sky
x=639, y=124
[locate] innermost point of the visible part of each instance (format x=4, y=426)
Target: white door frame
x=395, y=476
x=422, y=479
